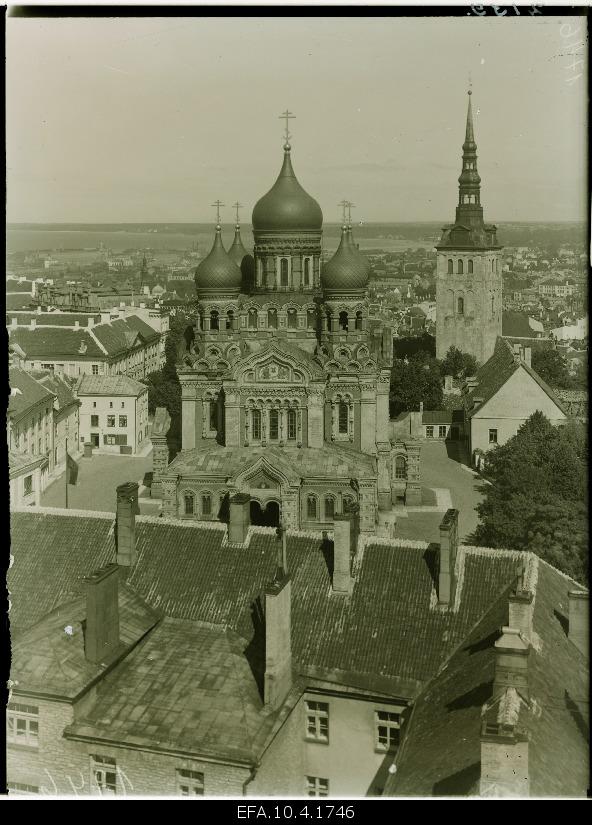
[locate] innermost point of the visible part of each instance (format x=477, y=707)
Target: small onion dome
x=237, y=251
x=287, y=207
x=218, y=270
x=363, y=259
x=347, y=269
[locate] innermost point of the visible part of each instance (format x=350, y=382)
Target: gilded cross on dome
x=287, y=116
x=218, y=204
x=343, y=205
x=349, y=209
x=236, y=206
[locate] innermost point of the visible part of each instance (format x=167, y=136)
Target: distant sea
x=182, y=236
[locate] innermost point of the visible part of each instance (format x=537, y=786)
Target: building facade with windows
x=469, y=269
x=30, y=426
x=113, y=413
x=285, y=379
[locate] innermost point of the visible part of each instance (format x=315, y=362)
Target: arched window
x=460, y=268
x=292, y=319
x=274, y=425
x=272, y=318
x=470, y=266
x=252, y=319
x=213, y=415
x=400, y=467
x=291, y=425
x=214, y=319
x=256, y=424
x=343, y=417
x=188, y=502
x=206, y=504
x=311, y=319
x=306, y=276
x=230, y=319
x=358, y=320
x=460, y=306
x=284, y=278
x=260, y=271
x=348, y=504
x=329, y=508
x=450, y=266
x=311, y=507
x=343, y=321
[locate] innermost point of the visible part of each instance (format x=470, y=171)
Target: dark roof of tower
x=287, y=207
x=218, y=270
x=347, y=269
x=237, y=251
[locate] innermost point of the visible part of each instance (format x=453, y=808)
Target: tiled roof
x=443, y=417
x=19, y=462
x=187, y=687
x=516, y=325
x=56, y=342
x=28, y=393
x=109, y=385
x=331, y=460
x=23, y=286
x=21, y=300
x=388, y=635
x=53, y=319
x=441, y=753
x=121, y=334
x=58, y=385
x=50, y=657
x=492, y=376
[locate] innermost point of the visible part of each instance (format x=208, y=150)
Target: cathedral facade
x=469, y=269
x=285, y=380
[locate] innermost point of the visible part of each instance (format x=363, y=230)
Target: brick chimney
x=521, y=605
x=101, y=638
x=448, y=548
x=240, y=518
x=511, y=663
x=32, y=323
x=578, y=620
x=504, y=753
x=527, y=356
x=278, y=641
x=127, y=510
x=343, y=542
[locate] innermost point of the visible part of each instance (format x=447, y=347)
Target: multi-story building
x=113, y=413
x=285, y=384
x=30, y=421
x=469, y=269
x=66, y=423
x=171, y=658
x=556, y=289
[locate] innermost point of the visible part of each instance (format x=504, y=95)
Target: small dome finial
x=237, y=206
x=287, y=116
x=217, y=205
x=469, y=92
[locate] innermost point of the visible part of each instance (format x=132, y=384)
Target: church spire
x=469, y=210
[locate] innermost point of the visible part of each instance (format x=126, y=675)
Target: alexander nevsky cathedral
x=285, y=380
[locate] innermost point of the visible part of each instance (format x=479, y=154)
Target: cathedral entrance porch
x=266, y=514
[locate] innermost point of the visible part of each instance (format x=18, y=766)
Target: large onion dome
x=218, y=271
x=348, y=269
x=287, y=207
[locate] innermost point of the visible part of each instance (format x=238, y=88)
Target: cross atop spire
x=236, y=206
x=470, y=134
x=344, y=205
x=287, y=116
x=218, y=204
x=349, y=209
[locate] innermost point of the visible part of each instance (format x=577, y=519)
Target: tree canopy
x=459, y=364
x=414, y=380
x=537, y=495
x=552, y=368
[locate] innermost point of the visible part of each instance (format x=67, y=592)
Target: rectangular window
x=291, y=425
x=190, y=783
x=274, y=425
x=206, y=505
x=256, y=425
x=110, y=420
x=317, y=786
x=110, y=405
x=343, y=417
x=28, y=485
x=95, y=369
x=123, y=420
x=123, y=405
x=47, y=366
x=94, y=421
x=103, y=772
x=317, y=721
x=213, y=415
x=115, y=440
x=442, y=431
x=429, y=432
x=388, y=728
x=22, y=724
x=493, y=436
x=94, y=405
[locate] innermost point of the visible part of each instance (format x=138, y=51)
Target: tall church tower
x=469, y=272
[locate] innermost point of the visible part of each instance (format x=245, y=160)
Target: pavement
x=97, y=479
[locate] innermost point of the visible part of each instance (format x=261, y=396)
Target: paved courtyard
x=446, y=482
x=97, y=479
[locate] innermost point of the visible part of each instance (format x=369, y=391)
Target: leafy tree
x=552, y=367
x=459, y=364
x=414, y=380
x=410, y=345
x=537, y=495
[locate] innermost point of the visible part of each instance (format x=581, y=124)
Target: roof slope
x=29, y=392
x=59, y=386
x=57, y=342
x=109, y=385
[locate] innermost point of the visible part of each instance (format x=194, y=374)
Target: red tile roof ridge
x=61, y=511
x=194, y=523
x=576, y=584
x=368, y=538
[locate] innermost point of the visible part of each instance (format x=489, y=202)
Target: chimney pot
x=240, y=518
x=127, y=510
x=448, y=550
x=511, y=663
x=102, y=614
x=578, y=619
x=520, y=612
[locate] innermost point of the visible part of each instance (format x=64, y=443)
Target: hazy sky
x=154, y=119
